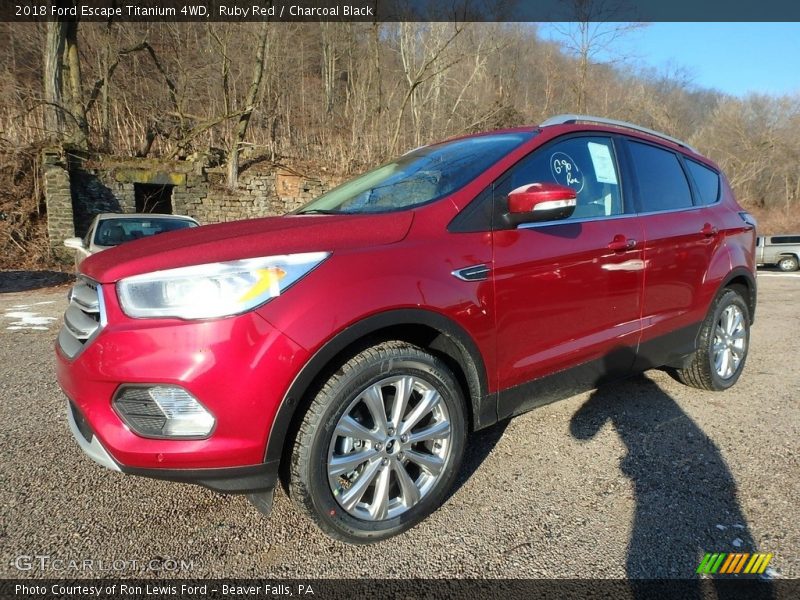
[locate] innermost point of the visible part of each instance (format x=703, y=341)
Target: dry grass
x=777, y=220
x=23, y=219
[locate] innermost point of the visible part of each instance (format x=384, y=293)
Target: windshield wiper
x=318, y=211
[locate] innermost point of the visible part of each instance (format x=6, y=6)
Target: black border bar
x=253, y=11
x=730, y=588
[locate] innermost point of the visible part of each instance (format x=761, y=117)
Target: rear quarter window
x=662, y=182
x=705, y=180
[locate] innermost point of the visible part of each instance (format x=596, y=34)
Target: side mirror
x=540, y=202
x=75, y=243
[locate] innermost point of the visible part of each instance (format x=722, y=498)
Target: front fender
x=484, y=406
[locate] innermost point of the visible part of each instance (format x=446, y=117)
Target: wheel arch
x=743, y=280
x=427, y=329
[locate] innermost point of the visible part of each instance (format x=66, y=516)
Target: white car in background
x=112, y=229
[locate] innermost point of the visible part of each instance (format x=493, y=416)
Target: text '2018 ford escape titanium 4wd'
x=351, y=346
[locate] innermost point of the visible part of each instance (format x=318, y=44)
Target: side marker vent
x=473, y=273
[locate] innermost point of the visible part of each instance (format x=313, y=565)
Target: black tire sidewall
x=728, y=298
x=328, y=510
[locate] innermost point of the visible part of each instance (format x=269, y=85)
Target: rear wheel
x=722, y=349
x=788, y=263
x=380, y=445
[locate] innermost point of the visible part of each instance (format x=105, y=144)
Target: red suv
x=351, y=346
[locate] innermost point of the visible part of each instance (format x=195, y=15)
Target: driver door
x=567, y=292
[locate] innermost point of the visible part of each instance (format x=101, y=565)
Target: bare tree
x=53, y=77
x=590, y=35
x=421, y=62
x=80, y=136
x=249, y=105
x=329, y=60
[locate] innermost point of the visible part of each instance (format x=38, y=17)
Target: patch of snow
x=25, y=319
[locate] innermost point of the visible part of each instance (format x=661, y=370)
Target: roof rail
x=564, y=119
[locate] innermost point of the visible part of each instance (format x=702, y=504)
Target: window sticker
x=566, y=171
x=603, y=165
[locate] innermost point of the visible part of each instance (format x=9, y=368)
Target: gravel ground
x=637, y=479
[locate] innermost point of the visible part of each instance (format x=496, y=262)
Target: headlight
x=213, y=290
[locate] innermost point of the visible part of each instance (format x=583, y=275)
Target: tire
x=722, y=346
x=788, y=263
x=354, y=475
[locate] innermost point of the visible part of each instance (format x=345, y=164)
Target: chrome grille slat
x=84, y=317
x=79, y=323
x=68, y=343
x=86, y=297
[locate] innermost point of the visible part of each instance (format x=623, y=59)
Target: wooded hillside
x=347, y=96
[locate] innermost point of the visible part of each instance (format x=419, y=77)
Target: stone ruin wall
x=78, y=187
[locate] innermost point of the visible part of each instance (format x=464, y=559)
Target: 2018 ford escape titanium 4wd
x=351, y=346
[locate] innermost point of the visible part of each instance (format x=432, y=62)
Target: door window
x=662, y=182
x=586, y=164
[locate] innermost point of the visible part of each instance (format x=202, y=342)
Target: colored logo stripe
x=710, y=563
x=727, y=566
x=758, y=564
x=733, y=563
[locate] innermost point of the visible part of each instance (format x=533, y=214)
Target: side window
x=786, y=239
x=586, y=164
x=706, y=181
x=662, y=182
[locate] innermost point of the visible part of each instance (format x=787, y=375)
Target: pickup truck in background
x=780, y=250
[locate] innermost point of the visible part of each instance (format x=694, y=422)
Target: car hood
x=246, y=239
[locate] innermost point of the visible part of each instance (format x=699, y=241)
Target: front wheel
x=722, y=348
x=380, y=445
x=788, y=263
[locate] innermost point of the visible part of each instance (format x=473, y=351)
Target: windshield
x=420, y=176
x=112, y=232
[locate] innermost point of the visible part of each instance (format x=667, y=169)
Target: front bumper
x=239, y=368
x=234, y=480
x=87, y=440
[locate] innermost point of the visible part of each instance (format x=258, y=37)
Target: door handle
x=709, y=230
x=620, y=243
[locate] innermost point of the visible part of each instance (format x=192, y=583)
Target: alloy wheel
x=389, y=448
x=730, y=341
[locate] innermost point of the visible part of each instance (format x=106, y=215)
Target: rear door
x=567, y=292
x=681, y=237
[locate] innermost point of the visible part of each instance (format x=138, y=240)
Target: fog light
x=163, y=412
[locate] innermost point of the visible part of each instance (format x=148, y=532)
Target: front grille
x=84, y=317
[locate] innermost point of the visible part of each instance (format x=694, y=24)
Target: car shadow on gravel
x=25, y=281
x=479, y=445
x=686, y=496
